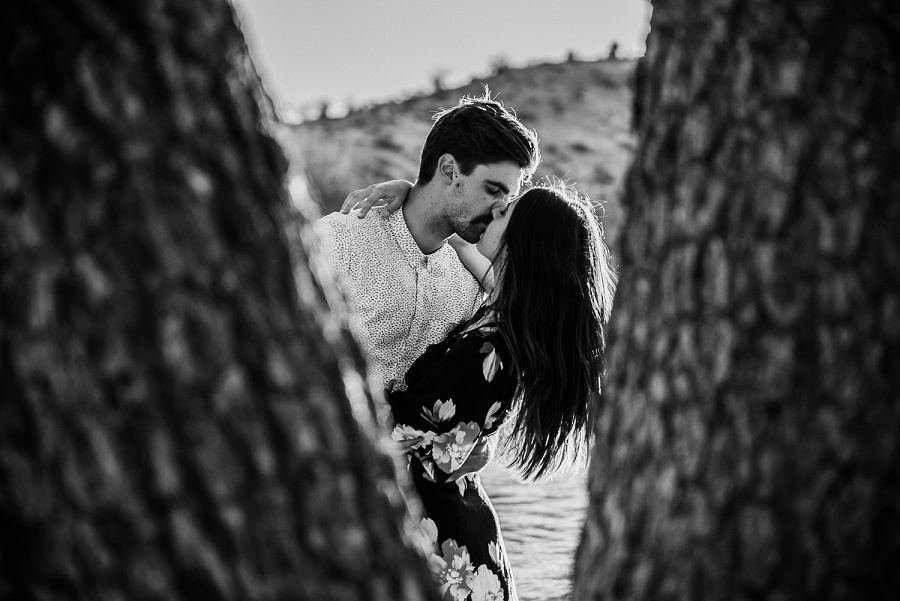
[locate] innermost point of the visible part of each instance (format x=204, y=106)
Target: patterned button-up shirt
x=401, y=300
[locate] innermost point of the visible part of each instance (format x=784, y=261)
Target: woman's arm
x=474, y=261
x=466, y=392
x=391, y=195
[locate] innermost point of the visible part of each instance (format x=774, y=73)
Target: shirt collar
x=414, y=255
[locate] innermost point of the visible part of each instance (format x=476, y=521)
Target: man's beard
x=471, y=231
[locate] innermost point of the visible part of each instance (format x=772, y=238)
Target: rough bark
x=748, y=443
x=182, y=417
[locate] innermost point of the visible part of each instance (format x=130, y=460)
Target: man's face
x=474, y=197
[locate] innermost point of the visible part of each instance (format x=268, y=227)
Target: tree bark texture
x=747, y=447
x=181, y=416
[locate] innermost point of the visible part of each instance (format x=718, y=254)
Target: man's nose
x=497, y=212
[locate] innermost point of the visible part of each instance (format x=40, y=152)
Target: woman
x=531, y=356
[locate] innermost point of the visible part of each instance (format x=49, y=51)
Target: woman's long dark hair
x=555, y=290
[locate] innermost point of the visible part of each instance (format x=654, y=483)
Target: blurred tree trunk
x=181, y=417
x=748, y=447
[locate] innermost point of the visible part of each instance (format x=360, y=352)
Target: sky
x=357, y=52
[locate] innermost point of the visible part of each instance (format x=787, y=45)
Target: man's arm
x=331, y=234
x=336, y=250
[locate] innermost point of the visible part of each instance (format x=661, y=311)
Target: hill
x=581, y=111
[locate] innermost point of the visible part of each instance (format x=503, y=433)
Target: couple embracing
x=479, y=309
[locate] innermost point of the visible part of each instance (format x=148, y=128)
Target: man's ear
x=447, y=169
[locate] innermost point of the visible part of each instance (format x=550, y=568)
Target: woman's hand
x=477, y=460
x=391, y=195
x=480, y=455
x=407, y=446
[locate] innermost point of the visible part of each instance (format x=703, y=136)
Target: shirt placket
x=424, y=299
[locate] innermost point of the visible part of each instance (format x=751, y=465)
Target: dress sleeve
x=454, y=400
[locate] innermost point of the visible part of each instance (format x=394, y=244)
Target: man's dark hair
x=479, y=131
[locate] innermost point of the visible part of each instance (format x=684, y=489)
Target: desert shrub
x=386, y=142
x=557, y=106
x=499, y=64
x=602, y=175
x=605, y=80
x=580, y=147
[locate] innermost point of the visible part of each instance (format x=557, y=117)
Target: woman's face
x=492, y=241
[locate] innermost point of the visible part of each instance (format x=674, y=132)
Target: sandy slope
x=580, y=110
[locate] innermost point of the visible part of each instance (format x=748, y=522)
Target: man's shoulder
x=376, y=219
x=347, y=234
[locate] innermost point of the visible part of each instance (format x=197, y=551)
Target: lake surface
x=541, y=524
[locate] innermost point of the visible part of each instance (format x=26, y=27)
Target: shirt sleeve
x=453, y=401
x=333, y=239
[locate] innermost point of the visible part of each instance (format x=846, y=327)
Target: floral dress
x=458, y=392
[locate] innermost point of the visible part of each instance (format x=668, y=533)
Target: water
x=541, y=524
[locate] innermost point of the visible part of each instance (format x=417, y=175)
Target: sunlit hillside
x=581, y=111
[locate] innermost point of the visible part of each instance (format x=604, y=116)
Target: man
x=405, y=285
